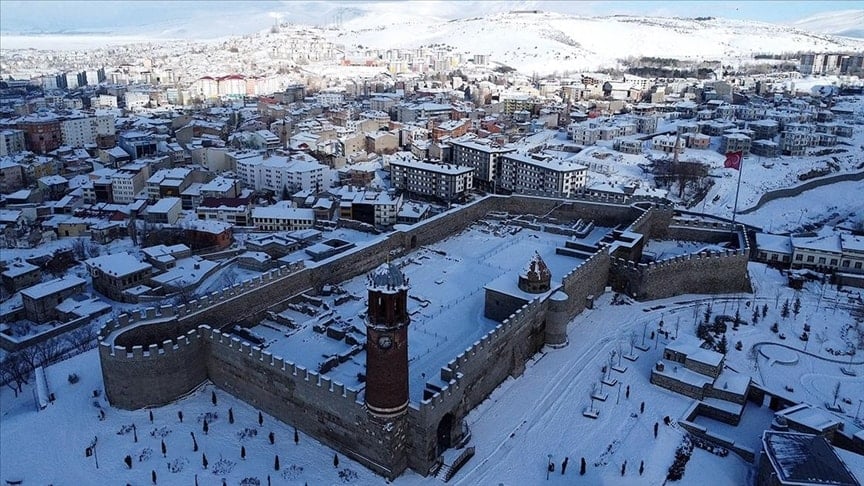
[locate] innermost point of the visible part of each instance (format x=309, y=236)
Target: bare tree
x=81, y=338
x=14, y=371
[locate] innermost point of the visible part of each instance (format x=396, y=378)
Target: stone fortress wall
x=144, y=363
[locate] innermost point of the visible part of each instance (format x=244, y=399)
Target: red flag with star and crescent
x=733, y=160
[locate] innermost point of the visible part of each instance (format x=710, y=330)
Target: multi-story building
x=668, y=144
x=234, y=211
x=816, y=252
x=765, y=148
x=445, y=182
x=113, y=274
x=282, y=217
x=481, y=154
x=278, y=173
x=169, y=182
x=41, y=132
x=735, y=142
x=378, y=209
x=164, y=211
x=795, y=142
x=412, y=112
x=11, y=142
x=137, y=144
x=81, y=130
x=41, y=300
x=544, y=175
x=584, y=134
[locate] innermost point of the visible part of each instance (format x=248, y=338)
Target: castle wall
x=686, y=274
x=140, y=377
x=473, y=375
x=313, y=403
x=586, y=282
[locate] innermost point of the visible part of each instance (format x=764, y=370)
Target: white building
x=293, y=173
x=80, y=130
x=11, y=142
x=282, y=217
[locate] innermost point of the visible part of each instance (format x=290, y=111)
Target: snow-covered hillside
x=849, y=23
x=544, y=41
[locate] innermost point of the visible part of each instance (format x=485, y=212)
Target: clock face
x=384, y=342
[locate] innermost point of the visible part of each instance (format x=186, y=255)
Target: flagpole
x=737, y=188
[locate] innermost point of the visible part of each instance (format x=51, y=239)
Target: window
x=810, y=259
x=821, y=260
x=833, y=262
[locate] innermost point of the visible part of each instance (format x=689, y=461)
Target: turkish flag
x=733, y=160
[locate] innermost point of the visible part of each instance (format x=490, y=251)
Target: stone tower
x=387, y=342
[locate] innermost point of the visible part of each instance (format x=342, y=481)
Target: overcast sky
x=242, y=17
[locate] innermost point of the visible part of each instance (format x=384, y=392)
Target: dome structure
x=535, y=278
x=387, y=276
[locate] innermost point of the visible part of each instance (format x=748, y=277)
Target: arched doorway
x=445, y=431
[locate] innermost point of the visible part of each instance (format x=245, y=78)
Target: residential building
x=279, y=173
x=795, y=143
x=12, y=142
x=481, y=154
x=80, y=130
x=543, y=175
x=735, y=142
x=164, y=211
x=668, y=144
x=41, y=132
x=445, y=182
x=584, y=134
x=169, y=182
x=20, y=275
x=137, y=144
x=41, y=300
x=116, y=273
x=765, y=148
x=816, y=252
x=11, y=175
x=282, y=217
x=234, y=211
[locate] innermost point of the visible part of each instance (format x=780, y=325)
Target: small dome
x=536, y=277
x=387, y=276
x=536, y=270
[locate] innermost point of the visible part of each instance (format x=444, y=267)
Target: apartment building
x=480, y=154
x=735, y=142
x=445, y=182
x=80, y=130
x=541, y=174
x=297, y=172
x=282, y=217
x=116, y=273
x=11, y=142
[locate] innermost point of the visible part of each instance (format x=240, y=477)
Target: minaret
x=387, y=342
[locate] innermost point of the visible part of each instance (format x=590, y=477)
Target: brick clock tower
x=386, y=391
x=387, y=342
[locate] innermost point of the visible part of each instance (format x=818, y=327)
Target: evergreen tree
x=164, y=448
x=213, y=397
x=641, y=467
x=204, y=460
x=582, y=467
x=335, y=460
x=723, y=345
x=128, y=461
x=272, y=437
x=230, y=415
x=242, y=452
x=775, y=328
x=153, y=476
x=180, y=415
x=260, y=418
x=151, y=416
x=784, y=311
x=134, y=434
x=296, y=436
x=656, y=426
x=796, y=306
x=707, y=313
x=206, y=427
x=624, y=468
x=276, y=463
x=764, y=310
x=755, y=317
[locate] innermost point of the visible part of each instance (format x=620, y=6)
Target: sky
x=179, y=17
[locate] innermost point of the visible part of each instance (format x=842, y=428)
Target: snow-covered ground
x=514, y=431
